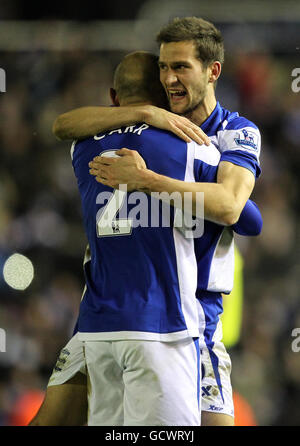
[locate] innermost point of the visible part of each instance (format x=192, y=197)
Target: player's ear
x=114, y=98
x=214, y=71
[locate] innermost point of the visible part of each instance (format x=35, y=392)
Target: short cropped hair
x=206, y=37
x=137, y=77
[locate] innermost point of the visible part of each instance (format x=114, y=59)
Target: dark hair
x=137, y=77
x=207, y=38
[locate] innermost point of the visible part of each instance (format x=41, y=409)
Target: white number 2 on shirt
x=107, y=225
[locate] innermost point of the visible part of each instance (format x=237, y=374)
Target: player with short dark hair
x=207, y=38
x=189, y=75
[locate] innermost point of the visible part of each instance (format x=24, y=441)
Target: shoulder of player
x=84, y=142
x=208, y=154
x=83, y=148
x=237, y=123
x=230, y=120
x=238, y=132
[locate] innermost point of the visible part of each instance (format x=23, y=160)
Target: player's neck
x=204, y=110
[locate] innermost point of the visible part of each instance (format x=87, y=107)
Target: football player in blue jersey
x=191, y=57
x=191, y=91
x=175, y=93
x=190, y=61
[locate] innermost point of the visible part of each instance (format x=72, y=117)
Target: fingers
x=97, y=170
x=179, y=125
x=187, y=130
x=104, y=160
x=202, y=136
x=102, y=180
x=193, y=132
x=107, y=161
x=101, y=175
x=107, y=182
x=188, y=134
x=124, y=151
x=94, y=172
x=97, y=165
x=180, y=133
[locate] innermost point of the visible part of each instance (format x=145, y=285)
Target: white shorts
x=215, y=362
x=143, y=383
x=71, y=361
x=216, y=390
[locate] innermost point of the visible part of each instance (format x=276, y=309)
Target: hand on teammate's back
x=179, y=125
x=123, y=169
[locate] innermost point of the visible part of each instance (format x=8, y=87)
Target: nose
x=170, y=78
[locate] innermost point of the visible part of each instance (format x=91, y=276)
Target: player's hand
x=181, y=126
x=124, y=169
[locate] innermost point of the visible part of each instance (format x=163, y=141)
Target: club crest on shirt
x=247, y=139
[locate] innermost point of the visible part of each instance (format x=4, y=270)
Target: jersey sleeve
x=240, y=144
x=82, y=152
x=250, y=222
x=206, y=162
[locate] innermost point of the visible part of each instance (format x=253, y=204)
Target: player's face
x=183, y=76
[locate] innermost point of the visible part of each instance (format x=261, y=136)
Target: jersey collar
x=211, y=124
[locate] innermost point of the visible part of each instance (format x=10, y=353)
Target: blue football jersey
x=141, y=279
x=238, y=141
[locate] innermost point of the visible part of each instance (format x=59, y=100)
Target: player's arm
x=250, y=222
x=83, y=122
x=223, y=201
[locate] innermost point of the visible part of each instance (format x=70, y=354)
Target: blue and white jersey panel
x=238, y=141
x=141, y=285
x=237, y=138
x=215, y=249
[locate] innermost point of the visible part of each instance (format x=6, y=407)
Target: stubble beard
x=187, y=113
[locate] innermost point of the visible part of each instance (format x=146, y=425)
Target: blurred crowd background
x=64, y=58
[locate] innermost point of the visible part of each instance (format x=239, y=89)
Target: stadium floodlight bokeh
x=18, y=271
